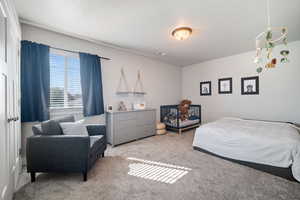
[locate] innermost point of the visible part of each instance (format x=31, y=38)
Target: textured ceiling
x=221, y=28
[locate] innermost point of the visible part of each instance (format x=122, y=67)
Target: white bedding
x=269, y=143
x=184, y=123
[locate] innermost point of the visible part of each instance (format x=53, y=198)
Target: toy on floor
x=160, y=128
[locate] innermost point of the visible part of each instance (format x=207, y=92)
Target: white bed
x=269, y=143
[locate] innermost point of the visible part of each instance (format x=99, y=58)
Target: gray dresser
x=126, y=126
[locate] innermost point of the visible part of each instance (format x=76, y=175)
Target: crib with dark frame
x=170, y=116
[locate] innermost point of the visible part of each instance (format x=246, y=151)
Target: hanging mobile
x=267, y=40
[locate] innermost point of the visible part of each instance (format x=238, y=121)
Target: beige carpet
x=210, y=178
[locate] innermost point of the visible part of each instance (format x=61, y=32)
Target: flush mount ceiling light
x=161, y=53
x=182, y=33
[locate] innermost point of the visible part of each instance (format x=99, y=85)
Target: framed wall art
x=205, y=88
x=225, y=85
x=250, y=85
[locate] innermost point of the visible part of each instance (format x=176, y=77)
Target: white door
x=9, y=107
x=14, y=107
x=17, y=112
x=10, y=112
x=5, y=185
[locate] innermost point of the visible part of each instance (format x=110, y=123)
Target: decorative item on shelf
x=139, y=106
x=138, y=88
x=109, y=108
x=122, y=106
x=123, y=87
x=267, y=40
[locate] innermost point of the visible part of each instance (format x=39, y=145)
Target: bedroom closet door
x=9, y=107
x=13, y=106
x=5, y=183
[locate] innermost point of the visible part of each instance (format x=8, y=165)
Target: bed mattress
x=268, y=143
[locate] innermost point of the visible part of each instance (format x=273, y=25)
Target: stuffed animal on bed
x=184, y=109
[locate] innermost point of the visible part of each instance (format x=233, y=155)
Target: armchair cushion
x=94, y=129
x=37, y=129
x=52, y=127
x=94, y=139
x=74, y=128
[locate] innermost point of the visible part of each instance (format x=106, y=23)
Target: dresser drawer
x=128, y=126
x=145, y=118
x=144, y=131
x=125, y=124
x=124, y=135
x=125, y=116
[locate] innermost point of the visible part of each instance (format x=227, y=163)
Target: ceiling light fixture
x=161, y=53
x=182, y=33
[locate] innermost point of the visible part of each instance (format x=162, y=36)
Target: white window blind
x=65, y=86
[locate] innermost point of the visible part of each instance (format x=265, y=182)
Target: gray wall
x=166, y=84
x=161, y=81
x=279, y=97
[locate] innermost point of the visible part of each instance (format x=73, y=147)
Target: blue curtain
x=91, y=84
x=35, y=81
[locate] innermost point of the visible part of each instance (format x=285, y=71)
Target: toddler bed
x=170, y=115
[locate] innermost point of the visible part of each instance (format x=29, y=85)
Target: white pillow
x=74, y=128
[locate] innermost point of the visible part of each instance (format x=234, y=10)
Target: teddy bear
x=184, y=109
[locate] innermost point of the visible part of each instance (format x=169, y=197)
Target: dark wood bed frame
x=285, y=173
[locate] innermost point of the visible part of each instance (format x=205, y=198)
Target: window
x=65, y=86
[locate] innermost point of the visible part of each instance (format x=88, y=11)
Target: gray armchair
x=64, y=153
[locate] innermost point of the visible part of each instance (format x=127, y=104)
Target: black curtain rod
x=104, y=58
